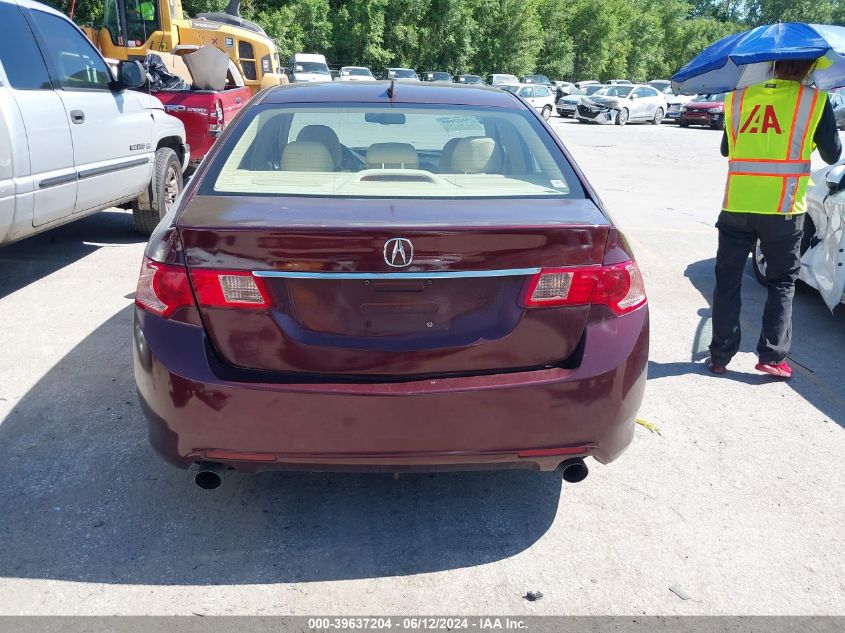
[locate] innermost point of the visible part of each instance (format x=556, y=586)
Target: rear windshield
x=401, y=73
x=311, y=67
x=375, y=150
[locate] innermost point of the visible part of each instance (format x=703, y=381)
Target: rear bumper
x=450, y=424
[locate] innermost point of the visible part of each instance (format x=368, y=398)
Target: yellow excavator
x=132, y=28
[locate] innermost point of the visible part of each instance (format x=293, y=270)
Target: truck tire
x=165, y=185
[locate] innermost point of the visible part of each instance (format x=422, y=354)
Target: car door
x=527, y=93
x=44, y=173
x=656, y=101
x=541, y=97
x=112, y=133
x=638, y=104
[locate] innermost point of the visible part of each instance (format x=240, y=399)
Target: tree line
x=564, y=39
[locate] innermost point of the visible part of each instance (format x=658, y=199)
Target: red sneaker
x=779, y=370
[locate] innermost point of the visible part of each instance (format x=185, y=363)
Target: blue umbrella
x=744, y=59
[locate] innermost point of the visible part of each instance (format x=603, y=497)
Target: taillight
x=621, y=287
x=163, y=288
x=561, y=287
x=215, y=119
x=618, y=286
x=228, y=289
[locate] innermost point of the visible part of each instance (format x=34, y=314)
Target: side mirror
x=835, y=179
x=130, y=75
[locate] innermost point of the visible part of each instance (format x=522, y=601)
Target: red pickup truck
x=205, y=113
x=183, y=85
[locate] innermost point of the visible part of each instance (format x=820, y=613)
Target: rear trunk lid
x=337, y=307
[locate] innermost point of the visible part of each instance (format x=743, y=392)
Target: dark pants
x=780, y=240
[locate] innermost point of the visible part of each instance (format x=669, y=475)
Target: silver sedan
x=621, y=104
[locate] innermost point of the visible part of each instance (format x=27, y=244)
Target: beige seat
x=306, y=156
x=325, y=135
x=445, y=164
x=476, y=155
x=392, y=156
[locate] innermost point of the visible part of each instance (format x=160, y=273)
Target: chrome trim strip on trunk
x=445, y=274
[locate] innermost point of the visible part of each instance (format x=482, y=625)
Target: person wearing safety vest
x=771, y=130
x=147, y=10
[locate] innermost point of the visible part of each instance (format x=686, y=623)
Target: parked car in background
x=837, y=101
x=584, y=84
x=499, y=78
x=355, y=73
x=566, y=106
x=473, y=80
x=614, y=82
x=436, y=75
x=535, y=79
x=706, y=110
x=539, y=96
x=823, y=242
x=74, y=139
x=622, y=104
x=427, y=283
x=308, y=67
x=563, y=88
x=401, y=74
x=673, y=101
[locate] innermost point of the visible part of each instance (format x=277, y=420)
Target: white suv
x=73, y=140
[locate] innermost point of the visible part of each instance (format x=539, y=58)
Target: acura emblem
x=398, y=252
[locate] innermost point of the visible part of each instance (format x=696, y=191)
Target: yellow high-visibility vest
x=770, y=130
x=148, y=11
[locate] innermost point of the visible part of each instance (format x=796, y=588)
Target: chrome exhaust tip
x=210, y=475
x=574, y=470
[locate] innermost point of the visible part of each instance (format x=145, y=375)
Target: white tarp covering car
x=823, y=246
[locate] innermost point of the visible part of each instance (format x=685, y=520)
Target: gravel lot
x=738, y=502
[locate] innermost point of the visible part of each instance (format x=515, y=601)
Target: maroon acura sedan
x=377, y=277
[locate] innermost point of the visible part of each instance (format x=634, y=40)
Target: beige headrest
x=392, y=155
x=446, y=155
x=479, y=155
x=326, y=136
x=306, y=156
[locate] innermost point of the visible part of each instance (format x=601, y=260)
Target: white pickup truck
x=73, y=139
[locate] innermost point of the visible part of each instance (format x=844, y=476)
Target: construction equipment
x=132, y=28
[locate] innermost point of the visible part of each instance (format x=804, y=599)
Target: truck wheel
x=166, y=183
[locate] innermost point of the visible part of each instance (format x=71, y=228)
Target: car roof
x=376, y=92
